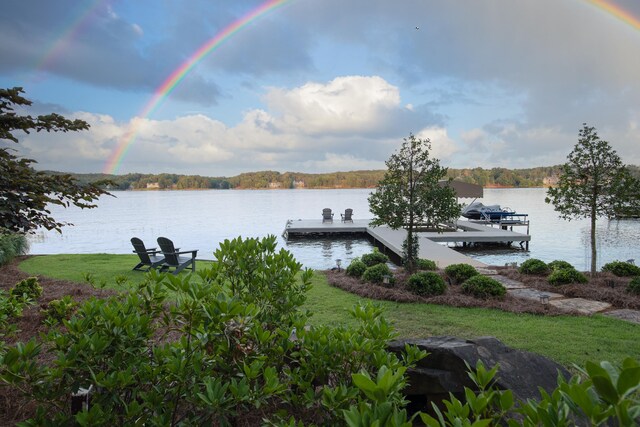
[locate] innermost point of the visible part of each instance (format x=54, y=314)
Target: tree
x=593, y=183
x=409, y=195
x=25, y=192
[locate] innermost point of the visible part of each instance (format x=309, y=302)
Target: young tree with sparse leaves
x=25, y=192
x=409, y=195
x=593, y=183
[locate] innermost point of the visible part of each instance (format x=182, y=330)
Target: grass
x=565, y=339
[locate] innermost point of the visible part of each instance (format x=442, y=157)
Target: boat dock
x=430, y=242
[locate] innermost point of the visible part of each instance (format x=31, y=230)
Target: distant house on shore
x=274, y=184
x=153, y=185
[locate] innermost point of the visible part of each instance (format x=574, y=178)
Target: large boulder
x=444, y=371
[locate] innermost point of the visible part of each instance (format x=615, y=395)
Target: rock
x=444, y=370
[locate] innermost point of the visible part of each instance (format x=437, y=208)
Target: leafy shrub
x=560, y=265
x=28, y=289
x=375, y=257
x=376, y=274
x=426, y=283
x=634, y=286
x=483, y=287
x=239, y=346
x=356, y=268
x=534, y=266
x=59, y=309
x=622, y=269
x=564, y=276
x=11, y=245
x=596, y=396
x=458, y=273
x=426, y=264
x=10, y=308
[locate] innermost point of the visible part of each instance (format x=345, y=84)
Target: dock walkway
x=430, y=247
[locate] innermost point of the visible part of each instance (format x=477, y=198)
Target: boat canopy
x=464, y=189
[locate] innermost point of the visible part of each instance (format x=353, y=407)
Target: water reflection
x=203, y=219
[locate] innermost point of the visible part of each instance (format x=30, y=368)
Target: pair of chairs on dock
x=166, y=259
x=327, y=215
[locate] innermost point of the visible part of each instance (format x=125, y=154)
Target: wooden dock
x=430, y=242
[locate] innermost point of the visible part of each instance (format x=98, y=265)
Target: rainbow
x=72, y=29
x=616, y=11
x=114, y=161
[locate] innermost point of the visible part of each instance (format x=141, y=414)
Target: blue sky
x=322, y=86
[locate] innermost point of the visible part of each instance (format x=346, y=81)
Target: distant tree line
x=545, y=176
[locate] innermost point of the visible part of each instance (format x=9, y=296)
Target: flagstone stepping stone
x=580, y=305
x=508, y=283
x=532, y=294
x=487, y=271
x=625, y=314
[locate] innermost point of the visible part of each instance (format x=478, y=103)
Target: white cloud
x=344, y=105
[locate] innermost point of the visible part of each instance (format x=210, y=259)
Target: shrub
x=238, y=347
x=375, y=257
x=11, y=245
x=534, y=266
x=560, y=265
x=426, y=264
x=376, y=273
x=356, y=268
x=634, y=286
x=59, y=309
x=566, y=275
x=622, y=269
x=483, y=287
x=28, y=289
x=458, y=273
x=426, y=283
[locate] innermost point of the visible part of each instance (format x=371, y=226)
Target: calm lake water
x=203, y=219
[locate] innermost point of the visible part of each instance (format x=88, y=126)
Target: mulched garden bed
x=598, y=289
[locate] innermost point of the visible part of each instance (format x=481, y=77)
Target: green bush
x=356, y=268
x=426, y=264
x=458, y=273
x=622, y=269
x=376, y=274
x=240, y=348
x=58, y=310
x=564, y=276
x=634, y=286
x=375, y=257
x=426, y=283
x=534, y=266
x=600, y=395
x=483, y=287
x=28, y=289
x=11, y=245
x=560, y=265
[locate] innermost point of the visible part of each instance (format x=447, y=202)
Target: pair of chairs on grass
x=166, y=259
x=327, y=215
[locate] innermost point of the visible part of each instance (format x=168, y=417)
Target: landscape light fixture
x=544, y=299
x=339, y=263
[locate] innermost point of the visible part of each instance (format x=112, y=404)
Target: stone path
x=581, y=305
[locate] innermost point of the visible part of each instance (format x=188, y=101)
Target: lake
x=202, y=219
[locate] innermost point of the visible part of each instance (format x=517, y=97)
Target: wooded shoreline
x=489, y=178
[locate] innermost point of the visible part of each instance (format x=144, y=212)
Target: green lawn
x=566, y=339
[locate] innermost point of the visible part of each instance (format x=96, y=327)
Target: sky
x=322, y=85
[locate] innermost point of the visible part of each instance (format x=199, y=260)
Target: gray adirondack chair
x=150, y=258
x=172, y=258
x=346, y=216
x=327, y=216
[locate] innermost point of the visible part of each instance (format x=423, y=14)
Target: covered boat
x=477, y=210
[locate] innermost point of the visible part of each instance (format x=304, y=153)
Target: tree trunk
x=594, y=254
